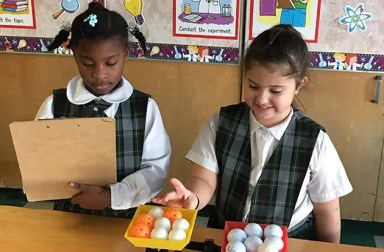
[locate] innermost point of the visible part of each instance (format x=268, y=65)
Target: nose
x=99, y=72
x=262, y=97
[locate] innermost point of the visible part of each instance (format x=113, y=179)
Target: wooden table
x=23, y=229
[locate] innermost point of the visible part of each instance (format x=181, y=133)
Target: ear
x=301, y=84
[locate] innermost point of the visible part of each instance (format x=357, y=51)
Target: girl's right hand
x=181, y=197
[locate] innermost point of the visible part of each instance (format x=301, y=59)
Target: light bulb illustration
x=22, y=43
x=135, y=7
x=155, y=50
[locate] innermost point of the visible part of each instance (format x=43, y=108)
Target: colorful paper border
x=221, y=55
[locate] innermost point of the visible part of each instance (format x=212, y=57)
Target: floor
x=370, y=234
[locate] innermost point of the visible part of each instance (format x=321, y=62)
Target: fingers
x=170, y=196
x=81, y=186
x=75, y=199
x=162, y=199
x=180, y=193
x=75, y=185
x=179, y=187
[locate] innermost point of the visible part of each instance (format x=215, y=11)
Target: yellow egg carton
x=188, y=214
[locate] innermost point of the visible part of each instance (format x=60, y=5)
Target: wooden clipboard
x=52, y=153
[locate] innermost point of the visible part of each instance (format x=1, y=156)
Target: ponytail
x=59, y=39
x=139, y=36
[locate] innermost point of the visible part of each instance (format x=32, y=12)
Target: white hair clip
x=91, y=19
x=66, y=26
x=132, y=28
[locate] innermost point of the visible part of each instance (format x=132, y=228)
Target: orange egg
x=140, y=231
x=173, y=214
x=147, y=219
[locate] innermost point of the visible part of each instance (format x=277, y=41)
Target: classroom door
x=342, y=103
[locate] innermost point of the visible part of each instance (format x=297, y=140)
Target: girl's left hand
x=91, y=197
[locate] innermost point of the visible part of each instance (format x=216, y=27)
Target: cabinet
x=341, y=102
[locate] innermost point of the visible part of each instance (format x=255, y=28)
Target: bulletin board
x=184, y=30
x=341, y=35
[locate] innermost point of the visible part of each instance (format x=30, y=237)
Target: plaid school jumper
x=277, y=190
x=130, y=128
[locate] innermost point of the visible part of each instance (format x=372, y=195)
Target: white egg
x=252, y=243
x=159, y=233
x=273, y=229
x=182, y=224
x=236, y=234
x=163, y=222
x=253, y=229
x=267, y=248
x=235, y=246
x=177, y=235
x=274, y=240
x=156, y=212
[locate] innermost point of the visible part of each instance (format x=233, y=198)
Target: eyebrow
x=273, y=86
x=110, y=57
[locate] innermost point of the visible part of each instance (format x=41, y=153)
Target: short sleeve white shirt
x=325, y=180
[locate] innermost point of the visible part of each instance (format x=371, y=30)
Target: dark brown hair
x=281, y=46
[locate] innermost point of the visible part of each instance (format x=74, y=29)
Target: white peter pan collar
x=78, y=94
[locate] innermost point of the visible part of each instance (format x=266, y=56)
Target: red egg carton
x=229, y=225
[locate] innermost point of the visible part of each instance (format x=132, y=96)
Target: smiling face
x=269, y=93
x=101, y=64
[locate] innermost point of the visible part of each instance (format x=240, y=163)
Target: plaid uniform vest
x=130, y=129
x=276, y=192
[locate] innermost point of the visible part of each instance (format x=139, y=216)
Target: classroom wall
x=186, y=93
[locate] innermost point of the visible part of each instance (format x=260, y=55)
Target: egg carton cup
x=229, y=225
x=188, y=214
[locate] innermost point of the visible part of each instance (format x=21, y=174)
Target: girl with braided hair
x=99, y=41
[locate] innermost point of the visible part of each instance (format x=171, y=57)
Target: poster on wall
x=341, y=35
x=304, y=15
x=17, y=14
x=206, y=18
x=214, y=40
x=154, y=19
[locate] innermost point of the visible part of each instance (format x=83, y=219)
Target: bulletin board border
x=339, y=61
x=220, y=55
x=155, y=51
